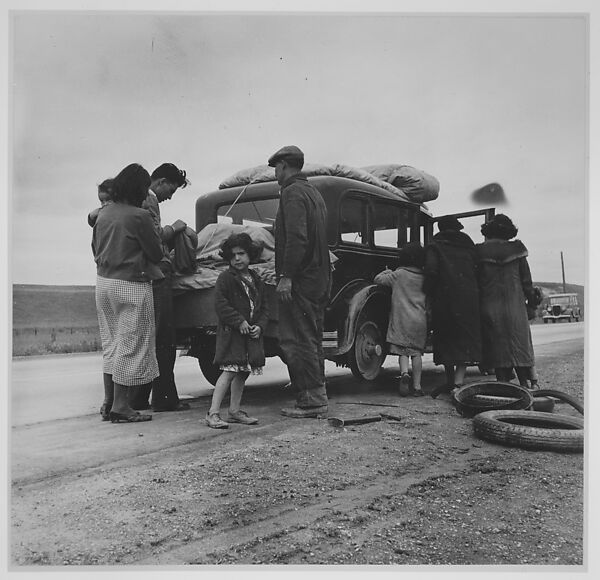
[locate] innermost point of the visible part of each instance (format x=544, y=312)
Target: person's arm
x=93, y=216
x=262, y=317
x=296, y=233
x=526, y=281
x=227, y=314
x=148, y=238
x=385, y=278
x=168, y=232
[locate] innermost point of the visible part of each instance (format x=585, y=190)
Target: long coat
x=505, y=285
x=408, y=318
x=301, y=249
x=451, y=285
x=233, y=307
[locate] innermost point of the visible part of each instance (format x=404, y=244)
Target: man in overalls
x=303, y=271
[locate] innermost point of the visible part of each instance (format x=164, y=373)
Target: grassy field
x=54, y=319
x=61, y=319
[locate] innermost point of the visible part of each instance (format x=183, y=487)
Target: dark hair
x=171, y=173
x=131, y=185
x=106, y=187
x=242, y=240
x=500, y=226
x=413, y=254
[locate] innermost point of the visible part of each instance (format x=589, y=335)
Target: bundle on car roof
x=403, y=180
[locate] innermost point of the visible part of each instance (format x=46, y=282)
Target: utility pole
x=562, y=265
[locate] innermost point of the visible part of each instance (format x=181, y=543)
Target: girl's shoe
x=241, y=417
x=404, y=386
x=214, y=421
x=417, y=393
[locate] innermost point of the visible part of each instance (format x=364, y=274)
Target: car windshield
x=560, y=300
x=259, y=212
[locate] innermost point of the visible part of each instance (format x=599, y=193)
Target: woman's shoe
x=417, y=393
x=134, y=418
x=105, y=411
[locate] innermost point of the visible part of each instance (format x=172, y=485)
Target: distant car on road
x=562, y=306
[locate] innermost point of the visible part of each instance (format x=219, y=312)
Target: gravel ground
x=418, y=490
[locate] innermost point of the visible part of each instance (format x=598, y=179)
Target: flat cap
x=287, y=152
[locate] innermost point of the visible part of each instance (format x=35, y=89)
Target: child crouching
x=407, y=329
x=242, y=312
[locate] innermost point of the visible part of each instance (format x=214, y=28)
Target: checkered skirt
x=126, y=319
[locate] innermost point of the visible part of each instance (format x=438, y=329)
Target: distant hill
x=53, y=306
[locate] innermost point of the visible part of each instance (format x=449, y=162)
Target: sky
x=470, y=98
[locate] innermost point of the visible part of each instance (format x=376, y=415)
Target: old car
x=366, y=226
x=562, y=307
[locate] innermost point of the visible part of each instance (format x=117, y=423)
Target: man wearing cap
x=302, y=267
x=451, y=285
x=165, y=180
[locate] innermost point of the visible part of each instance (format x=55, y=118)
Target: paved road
x=64, y=386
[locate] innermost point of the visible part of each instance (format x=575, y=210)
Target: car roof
x=330, y=187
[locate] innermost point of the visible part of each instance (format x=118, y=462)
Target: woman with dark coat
x=451, y=286
x=241, y=307
x=505, y=287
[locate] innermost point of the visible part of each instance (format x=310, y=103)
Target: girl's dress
x=407, y=329
x=239, y=298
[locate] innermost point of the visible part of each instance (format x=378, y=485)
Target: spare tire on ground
x=565, y=397
x=489, y=395
x=531, y=430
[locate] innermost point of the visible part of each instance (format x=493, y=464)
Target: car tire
x=475, y=398
x=531, y=430
x=573, y=401
x=367, y=353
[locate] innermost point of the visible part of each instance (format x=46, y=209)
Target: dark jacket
x=126, y=245
x=505, y=285
x=233, y=307
x=451, y=285
x=301, y=249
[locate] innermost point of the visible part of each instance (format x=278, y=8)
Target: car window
x=260, y=212
x=390, y=225
x=353, y=221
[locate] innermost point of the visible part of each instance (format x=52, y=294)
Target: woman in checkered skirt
x=127, y=250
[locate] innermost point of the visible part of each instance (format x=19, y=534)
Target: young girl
x=242, y=311
x=407, y=329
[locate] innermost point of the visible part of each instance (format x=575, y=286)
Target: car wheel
x=367, y=353
x=531, y=430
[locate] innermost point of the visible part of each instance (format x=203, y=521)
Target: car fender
x=348, y=305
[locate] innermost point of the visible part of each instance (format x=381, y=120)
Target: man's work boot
x=305, y=413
